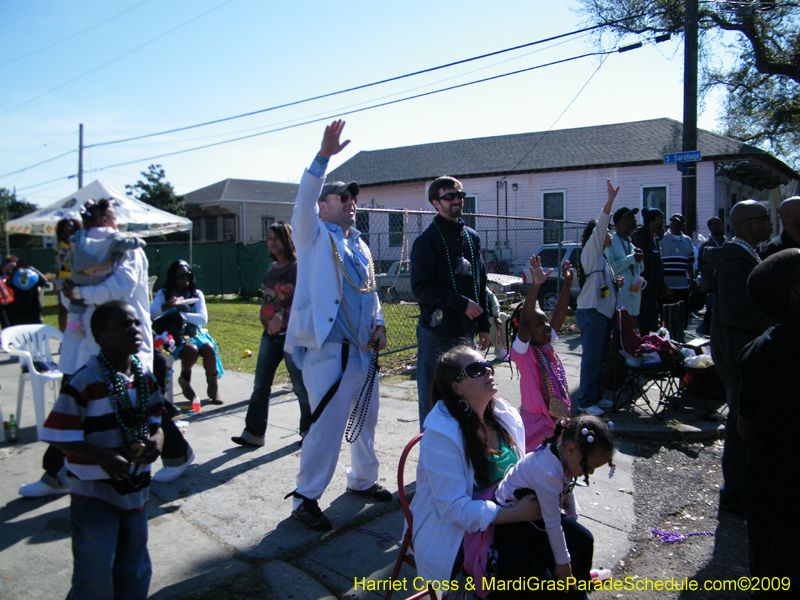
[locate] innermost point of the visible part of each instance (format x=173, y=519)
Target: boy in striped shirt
x=107, y=422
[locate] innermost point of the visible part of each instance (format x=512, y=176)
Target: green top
x=501, y=462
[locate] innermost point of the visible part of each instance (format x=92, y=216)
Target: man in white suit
x=334, y=333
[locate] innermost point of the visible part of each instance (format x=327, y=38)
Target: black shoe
x=376, y=493
x=309, y=514
x=243, y=442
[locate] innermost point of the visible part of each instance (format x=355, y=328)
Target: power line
x=330, y=94
x=74, y=35
x=563, y=112
x=358, y=110
x=327, y=95
x=38, y=164
x=361, y=87
x=113, y=60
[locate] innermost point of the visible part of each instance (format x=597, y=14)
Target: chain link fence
x=507, y=244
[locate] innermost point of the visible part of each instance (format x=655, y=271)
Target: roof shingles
x=585, y=147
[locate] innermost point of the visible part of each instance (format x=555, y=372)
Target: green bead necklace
x=449, y=264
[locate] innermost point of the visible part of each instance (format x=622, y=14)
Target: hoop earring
x=466, y=407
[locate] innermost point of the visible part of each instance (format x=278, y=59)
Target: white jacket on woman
x=443, y=507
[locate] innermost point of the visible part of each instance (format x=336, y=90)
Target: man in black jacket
x=790, y=236
x=646, y=237
x=448, y=279
x=735, y=323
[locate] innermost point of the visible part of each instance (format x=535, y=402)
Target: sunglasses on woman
x=474, y=370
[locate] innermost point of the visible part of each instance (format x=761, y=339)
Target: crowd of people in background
x=485, y=468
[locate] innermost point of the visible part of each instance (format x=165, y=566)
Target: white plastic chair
x=32, y=343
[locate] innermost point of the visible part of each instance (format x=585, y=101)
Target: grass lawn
x=235, y=326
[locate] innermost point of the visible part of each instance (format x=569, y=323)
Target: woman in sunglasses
x=471, y=439
x=181, y=294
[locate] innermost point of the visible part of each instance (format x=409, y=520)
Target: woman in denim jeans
x=278, y=285
x=596, y=305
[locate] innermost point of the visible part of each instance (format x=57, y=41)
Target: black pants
x=524, y=552
x=649, y=313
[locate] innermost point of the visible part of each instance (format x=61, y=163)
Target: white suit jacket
x=316, y=296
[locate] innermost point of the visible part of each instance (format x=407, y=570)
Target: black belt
x=335, y=387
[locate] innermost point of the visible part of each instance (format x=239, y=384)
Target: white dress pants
x=320, y=453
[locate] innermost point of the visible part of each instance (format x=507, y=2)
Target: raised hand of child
x=537, y=272
x=568, y=273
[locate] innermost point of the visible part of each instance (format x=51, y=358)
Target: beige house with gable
x=239, y=210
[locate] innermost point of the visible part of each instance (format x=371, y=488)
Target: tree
x=156, y=191
x=763, y=102
x=12, y=208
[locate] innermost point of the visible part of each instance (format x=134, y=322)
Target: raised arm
x=612, y=195
x=330, y=139
x=560, y=311
x=538, y=278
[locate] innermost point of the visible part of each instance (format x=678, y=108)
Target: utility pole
x=80, y=156
x=690, y=57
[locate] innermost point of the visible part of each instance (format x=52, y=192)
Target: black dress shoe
x=376, y=493
x=243, y=442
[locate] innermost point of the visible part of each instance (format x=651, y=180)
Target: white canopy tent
x=132, y=215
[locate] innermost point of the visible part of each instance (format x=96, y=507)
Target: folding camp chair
x=643, y=377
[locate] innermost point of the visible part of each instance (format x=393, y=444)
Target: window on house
x=211, y=229
x=265, y=225
x=553, y=208
x=469, y=209
x=362, y=224
x=197, y=229
x=395, y=230
x=657, y=197
x=229, y=228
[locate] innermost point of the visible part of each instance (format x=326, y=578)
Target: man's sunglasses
x=474, y=370
x=347, y=196
x=453, y=195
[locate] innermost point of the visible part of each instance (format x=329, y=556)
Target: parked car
x=553, y=256
x=395, y=285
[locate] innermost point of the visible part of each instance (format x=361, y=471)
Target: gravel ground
x=677, y=489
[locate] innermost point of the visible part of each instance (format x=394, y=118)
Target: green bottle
x=13, y=430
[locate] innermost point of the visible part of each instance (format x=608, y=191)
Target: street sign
x=676, y=157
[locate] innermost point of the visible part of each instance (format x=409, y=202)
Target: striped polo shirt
x=677, y=254
x=84, y=413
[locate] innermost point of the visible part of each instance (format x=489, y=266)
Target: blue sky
x=127, y=68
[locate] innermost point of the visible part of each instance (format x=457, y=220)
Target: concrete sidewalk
x=226, y=515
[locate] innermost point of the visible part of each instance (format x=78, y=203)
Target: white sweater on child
x=542, y=472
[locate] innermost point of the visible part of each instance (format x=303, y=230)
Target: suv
x=553, y=256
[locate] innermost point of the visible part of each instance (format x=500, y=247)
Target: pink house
x=561, y=174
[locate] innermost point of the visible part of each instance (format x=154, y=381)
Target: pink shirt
x=535, y=415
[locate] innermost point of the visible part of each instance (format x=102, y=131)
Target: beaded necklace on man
x=132, y=421
x=746, y=246
x=358, y=415
x=450, y=265
x=549, y=372
x=370, y=285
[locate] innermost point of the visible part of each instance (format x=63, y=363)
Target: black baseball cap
x=678, y=217
x=623, y=212
x=338, y=187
